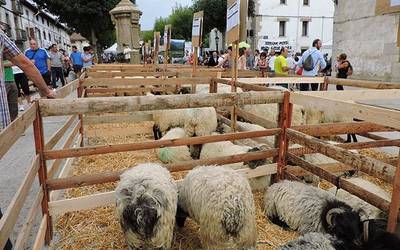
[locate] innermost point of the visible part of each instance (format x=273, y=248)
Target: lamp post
x=216, y=42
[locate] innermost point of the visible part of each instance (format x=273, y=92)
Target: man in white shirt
x=127, y=53
x=271, y=61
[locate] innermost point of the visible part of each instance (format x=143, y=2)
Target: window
x=44, y=35
x=37, y=18
x=27, y=13
x=305, y=28
x=282, y=28
x=48, y=25
x=283, y=1
x=306, y=2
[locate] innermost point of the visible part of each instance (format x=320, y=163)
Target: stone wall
x=369, y=41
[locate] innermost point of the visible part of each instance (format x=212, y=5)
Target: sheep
x=146, y=205
x=310, y=209
x=376, y=237
x=315, y=241
x=174, y=154
x=196, y=121
x=368, y=211
x=221, y=202
x=227, y=148
x=270, y=112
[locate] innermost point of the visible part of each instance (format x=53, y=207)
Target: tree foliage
x=90, y=17
x=214, y=13
x=181, y=21
x=147, y=35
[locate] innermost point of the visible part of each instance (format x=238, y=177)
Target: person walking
x=56, y=62
x=77, y=62
x=213, y=60
x=226, y=63
x=310, y=60
x=87, y=58
x=23, y=87
x=249, y=59
x=41, y=59
x=263, y=64
x=343, y=69
x=256, y=59
x=242, y=60
x=271, y=61
x=12, y=90
x=281, y=65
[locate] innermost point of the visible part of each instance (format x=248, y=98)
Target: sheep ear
x=160, y=198
x=125, y=193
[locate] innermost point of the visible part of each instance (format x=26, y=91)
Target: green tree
x=160, y=24
x=214, y=13
x=147, y=35
x=181, y=20
x=90, y=18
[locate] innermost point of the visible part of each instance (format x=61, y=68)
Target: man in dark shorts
x=77, y=62
x=41, y=59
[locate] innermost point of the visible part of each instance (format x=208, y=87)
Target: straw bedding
x=99, y=228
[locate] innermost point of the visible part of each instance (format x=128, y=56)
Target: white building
x=22, y=20
x=79, y=41
x=292, y=23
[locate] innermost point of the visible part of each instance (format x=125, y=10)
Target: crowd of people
x=279, y=63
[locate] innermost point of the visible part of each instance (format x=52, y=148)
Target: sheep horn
x=366, y=229
x=330, y=214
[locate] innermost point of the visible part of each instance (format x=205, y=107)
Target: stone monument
x=125, y=16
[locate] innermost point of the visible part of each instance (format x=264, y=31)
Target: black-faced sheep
x=146, y=204
x=174, y=154
x=377, y=238
x=221, y=202
x=368, y=211
x=315, y=241
x=310, y=209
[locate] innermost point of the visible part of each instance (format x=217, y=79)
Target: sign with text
x=275, y=45
x=233, y=21
x=387, y=7
x=167, y=37
x=197, y=28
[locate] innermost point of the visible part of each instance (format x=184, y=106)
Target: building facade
x=369, y=40
x=22, y=20
x=291, y=23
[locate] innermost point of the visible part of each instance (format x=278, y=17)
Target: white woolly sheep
x=369, y=211
x=146, y=204
x=315, y=241
x=196, y=121
x=270, y=112
x=310, y=209
x=227, y=148
x=221, y=202
x=174, y=154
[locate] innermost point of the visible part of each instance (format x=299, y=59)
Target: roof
x=77, y=37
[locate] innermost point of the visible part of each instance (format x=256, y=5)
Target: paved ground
x=15, y=164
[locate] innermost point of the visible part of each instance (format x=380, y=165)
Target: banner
x=274, y=44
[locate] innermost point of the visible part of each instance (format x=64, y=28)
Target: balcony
x=17, y=7
x=6, y=28
x=21, y=35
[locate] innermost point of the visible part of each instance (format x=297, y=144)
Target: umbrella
x=244, y=45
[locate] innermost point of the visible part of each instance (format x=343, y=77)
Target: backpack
x=308, y=64
x=349, y=70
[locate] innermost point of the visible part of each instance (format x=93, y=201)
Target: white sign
x=165, y=38
x=394, y=3
x=196, y=26
x=276, y=45
x=233, y=15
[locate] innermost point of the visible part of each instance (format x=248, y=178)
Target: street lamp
x=216, y=42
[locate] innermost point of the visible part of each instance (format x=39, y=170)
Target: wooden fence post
x=80, y=95
x=395, y=202
x=42, y=173
x=285, y=116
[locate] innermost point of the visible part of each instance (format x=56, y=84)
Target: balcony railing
x=21, y=35
x=17, y=7
x=6, y=28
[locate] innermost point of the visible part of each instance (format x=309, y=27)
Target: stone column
x=125, y=17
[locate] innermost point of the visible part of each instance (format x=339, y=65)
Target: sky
x=153, y=9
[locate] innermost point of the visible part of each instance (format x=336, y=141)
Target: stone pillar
x=125, y=17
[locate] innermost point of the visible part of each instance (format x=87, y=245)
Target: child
x=263, y=64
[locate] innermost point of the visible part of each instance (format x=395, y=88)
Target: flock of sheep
x=150, y=204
